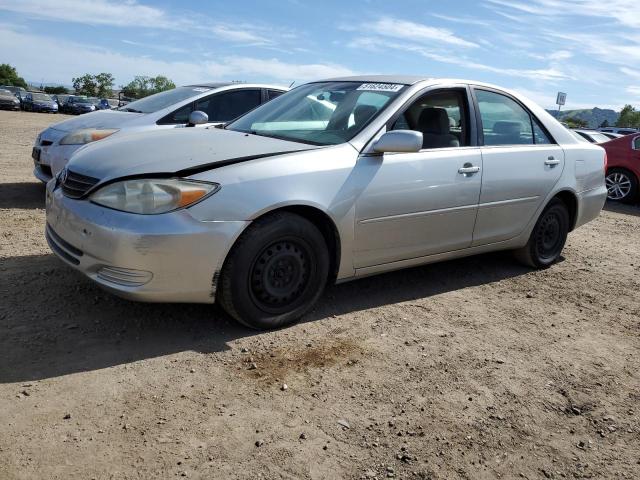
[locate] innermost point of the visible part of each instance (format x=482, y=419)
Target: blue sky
x=587, y=48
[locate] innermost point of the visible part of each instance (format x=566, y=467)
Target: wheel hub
x=280, y=274
x=618, y=185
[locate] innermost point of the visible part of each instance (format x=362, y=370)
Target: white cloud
x=624, y=12
x=634, y=90
x=462, y=20
x=60, y=60
x=416, y=32
x=130, y=13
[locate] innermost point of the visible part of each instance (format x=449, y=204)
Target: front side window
x=227, y=106
x=165, y=99
x=326, y=113
x=636, y=143
x=505, y=122
x=179, y=116
x=441, y=117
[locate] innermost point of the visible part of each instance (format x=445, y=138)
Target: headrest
x=434, y=120
x=504, y=127
x=362, y=113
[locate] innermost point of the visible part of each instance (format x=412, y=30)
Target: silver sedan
x=332, y=181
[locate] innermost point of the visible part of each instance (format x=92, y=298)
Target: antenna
x=292, y=84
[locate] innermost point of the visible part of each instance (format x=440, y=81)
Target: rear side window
x=271, y=94
x=227, y=106
x=506, y=122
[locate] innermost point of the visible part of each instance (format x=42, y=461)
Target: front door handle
x=468, y=169
x=551, y=162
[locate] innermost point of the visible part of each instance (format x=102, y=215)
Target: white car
x=221, y=102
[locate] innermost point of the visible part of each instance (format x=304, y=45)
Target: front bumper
x=154, y=258
x=55, y=157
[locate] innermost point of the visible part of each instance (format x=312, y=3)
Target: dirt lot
x=470, y=369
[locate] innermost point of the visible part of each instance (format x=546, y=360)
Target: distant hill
x=594, y=117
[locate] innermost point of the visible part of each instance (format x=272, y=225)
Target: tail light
x=606, y=162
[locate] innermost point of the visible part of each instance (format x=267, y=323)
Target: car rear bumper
x=590, y=203
x=155, y=258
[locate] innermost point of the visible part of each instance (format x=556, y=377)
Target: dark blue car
x=39, y=102
x=77, y=105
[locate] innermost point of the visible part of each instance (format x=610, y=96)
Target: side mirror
x=400, y=141
x=197, y=117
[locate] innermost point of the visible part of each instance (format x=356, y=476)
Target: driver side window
x=442, y=118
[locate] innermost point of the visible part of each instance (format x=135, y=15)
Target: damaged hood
x=182, y=151
x=99, y=119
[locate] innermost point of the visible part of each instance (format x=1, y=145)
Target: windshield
x=598, y=137
x=43, y=97
x=162, y=100
x=326, y=113
x=79, y=100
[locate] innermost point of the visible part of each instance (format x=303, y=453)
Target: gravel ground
x=470, y=369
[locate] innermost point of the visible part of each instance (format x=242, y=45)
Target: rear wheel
x=622, y=185
x=547, y=238
x=275, y=273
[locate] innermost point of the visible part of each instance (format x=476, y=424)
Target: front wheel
x=275, y=272
x=547, y=238
x=622, y=186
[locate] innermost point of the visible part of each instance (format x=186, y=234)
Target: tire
x=275, y=272
x=622, y=185
x=547, y=238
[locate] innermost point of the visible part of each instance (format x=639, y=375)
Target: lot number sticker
x=380, y=87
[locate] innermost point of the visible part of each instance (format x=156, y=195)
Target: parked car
x=8, y=101
x=334, y=180
x=620, y=130
x=592, y=136
x=77, y=105
x=107, y=104
x=221, y=102
x=39, y=102
x=13, y=89
x=623, y=168
x=60, y=99
x=611, y=135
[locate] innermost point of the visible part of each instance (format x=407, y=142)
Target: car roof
x=235, y=84
x=407, y=80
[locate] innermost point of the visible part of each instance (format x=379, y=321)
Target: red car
x=623, y=168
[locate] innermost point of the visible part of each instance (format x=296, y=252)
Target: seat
x=434, y=124
x=361, y=114
x=505, y=133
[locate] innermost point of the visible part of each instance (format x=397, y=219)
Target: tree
x=574, y=122
x=142, y=86
x=629, y=117
x=99, y=85
x=604, y=124
x=9, y=76
x=55, y=90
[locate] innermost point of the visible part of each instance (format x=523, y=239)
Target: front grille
x=126, y=277
x=76, y=185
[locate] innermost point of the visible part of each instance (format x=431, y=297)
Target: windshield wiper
x=132, y=110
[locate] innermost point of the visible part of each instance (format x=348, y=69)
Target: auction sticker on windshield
x=380, y=87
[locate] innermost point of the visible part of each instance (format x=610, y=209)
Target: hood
x=184, y=150
x=98, y=119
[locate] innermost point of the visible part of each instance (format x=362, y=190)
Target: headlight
x=152, y=196
x=87, y=135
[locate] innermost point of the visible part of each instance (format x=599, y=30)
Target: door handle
x=551, y=161
x=468, y=169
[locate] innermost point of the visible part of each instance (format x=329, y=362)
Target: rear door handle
x=468, y=169
x=551, y=161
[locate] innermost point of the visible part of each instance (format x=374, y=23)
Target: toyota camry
x=332, y=181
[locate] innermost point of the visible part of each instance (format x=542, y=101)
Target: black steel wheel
x=547, y=238
x=275, y=272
